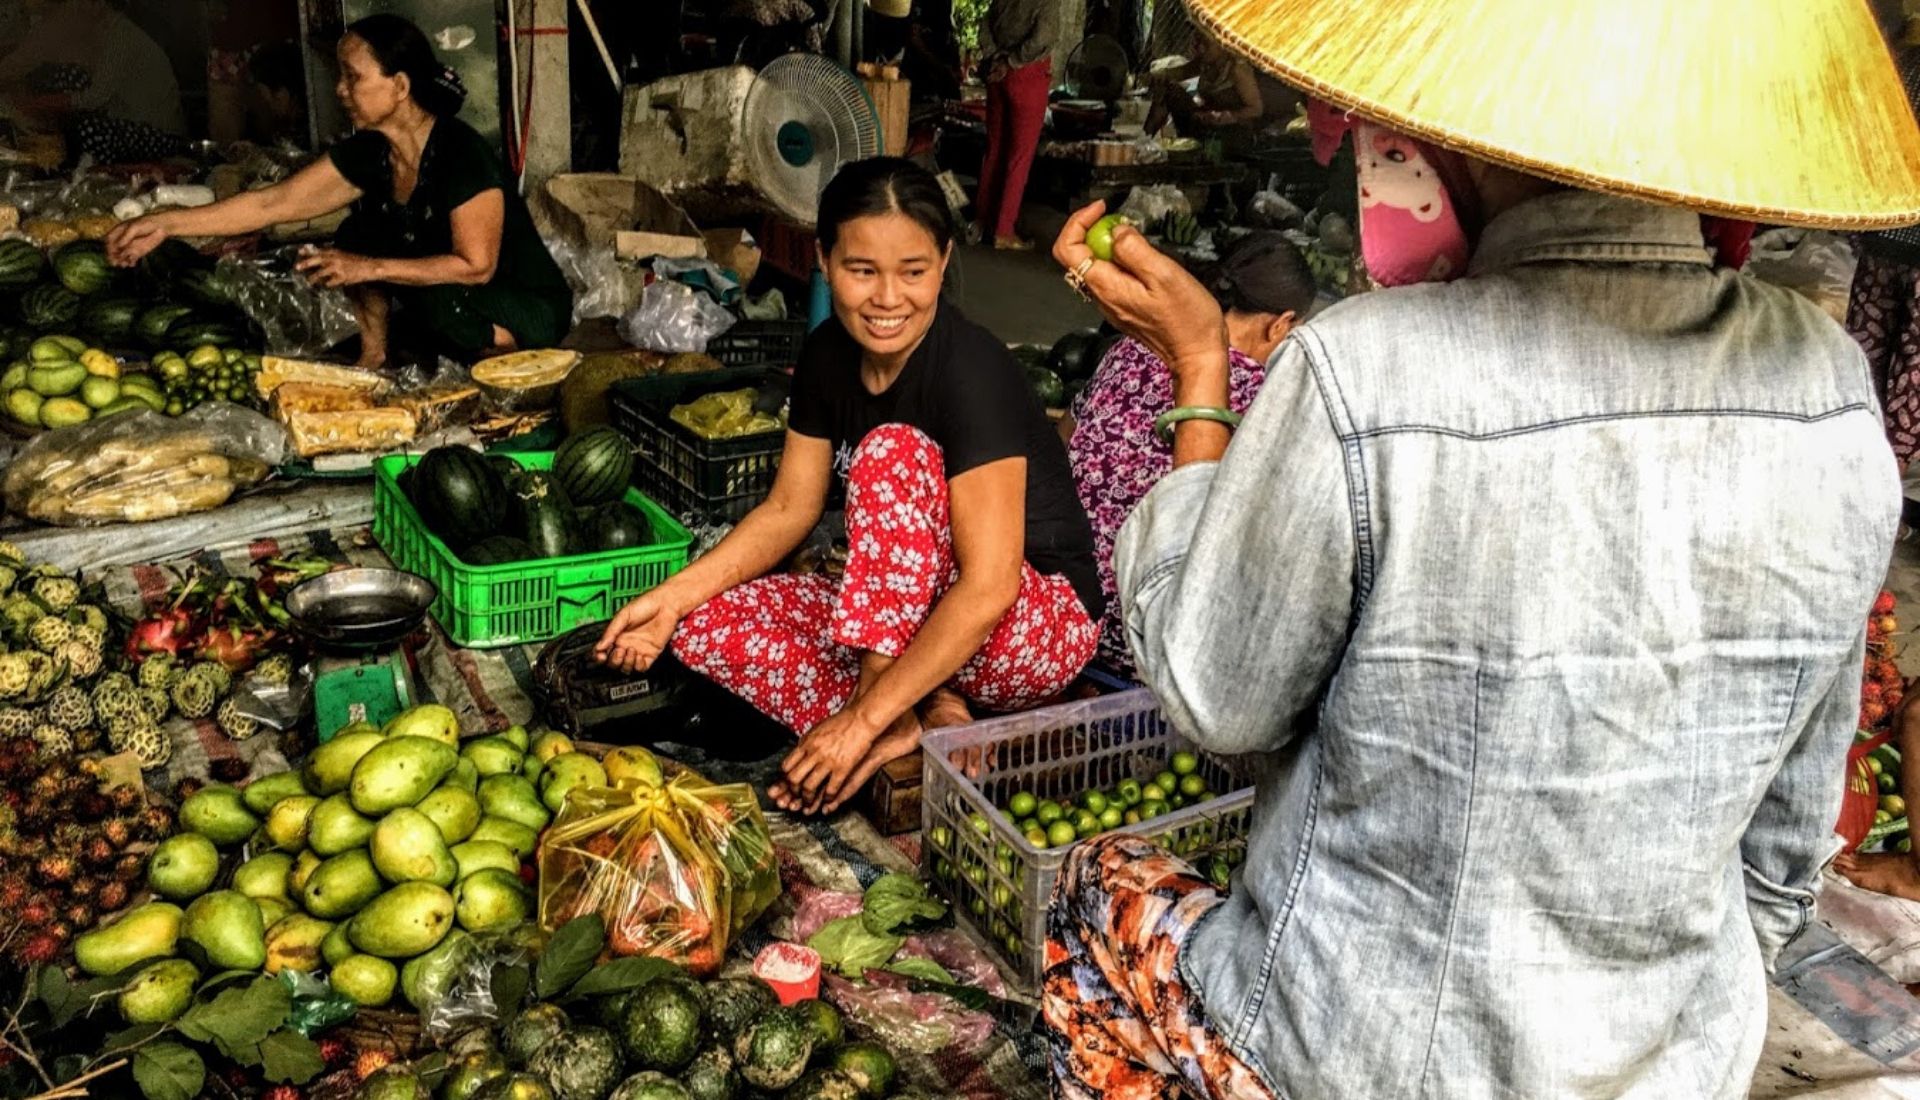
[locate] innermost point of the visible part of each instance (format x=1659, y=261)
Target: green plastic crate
x=487, y=606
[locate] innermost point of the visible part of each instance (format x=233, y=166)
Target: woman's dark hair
x=401, y=47
x=883, y=185
x=1263, y=272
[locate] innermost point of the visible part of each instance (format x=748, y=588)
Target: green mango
x=426, y=978
x=515, y=736
x=183, y=867
x=464, y=776
x=454, y=811
x=361, y=726
x=405, y=921
x=478, y=855
x=399, y=772
x=262, y=793
x=330, y=768
x=470, y=1071
x=393, y=1083
x=407, y=847
x=491, y=898
x=564, y=773
x=366, y=980
x=493, y=755
x=429, y=720
x=160, y=993
x=273, y=910
x=513, y=798
x=551, y=744
x=294, y=943
x=226, y=925
x=341, y=885
x=288, y=820
x=265, y=876
x=517, y=837
x=304, y=865
x=337, y=827
x=336, y=946
x=220, y=814
x=146, y=932
x=532, y=767
x=515, y=1086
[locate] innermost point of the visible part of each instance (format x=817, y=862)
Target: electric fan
x=1097, y=69
x=803, y=118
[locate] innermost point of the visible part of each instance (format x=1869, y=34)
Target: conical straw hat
x=1781, y=111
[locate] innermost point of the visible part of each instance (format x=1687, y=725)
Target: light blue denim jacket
x=1543, y=591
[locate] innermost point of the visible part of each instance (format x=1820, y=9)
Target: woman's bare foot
x=1893, y=873
x=900, y=739
x=944, y=707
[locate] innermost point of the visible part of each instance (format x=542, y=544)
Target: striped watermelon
x=593, y=466
x=49, y=306
x=20, y=264
x=82, y=267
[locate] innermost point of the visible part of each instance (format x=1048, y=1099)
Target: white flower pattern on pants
x=791, y=645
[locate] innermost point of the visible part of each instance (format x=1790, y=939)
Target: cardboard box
x=604, y=209
x=890, y=102
x=734, y=249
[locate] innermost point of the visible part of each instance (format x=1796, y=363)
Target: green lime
x=977, y=875
x=1111, y=817
x=1048, y=812
x=1152, y=808
x=940, y=837
x=1037, y=836
x=1013, y=945
x=1005, y=863
x=1167, y=781
x=1881, y=817
x=1193, y=786
x=1154, y=792
x=1002, y=896
x=980, y=824
x=977, y=905
x=1061, y=832
x=1093, y=802
x=1022, y=804
x=1184, y=763
x=1177, y=802
x=1085, y=823
x=1888, y=784
x=1905, y=844
x=1873, y=764
x=1026, y=824
x=1129, y=791
x=1132, y=816
x=1100, y=237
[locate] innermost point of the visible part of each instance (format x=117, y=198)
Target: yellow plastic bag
x=676, y=871
x=725, y=415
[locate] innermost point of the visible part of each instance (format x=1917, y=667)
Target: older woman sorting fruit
x=440, y=256
x=970, y=574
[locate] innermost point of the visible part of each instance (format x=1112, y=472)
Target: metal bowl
x=361, y=608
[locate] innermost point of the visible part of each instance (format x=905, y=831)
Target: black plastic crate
x=701, y=481
x=759, y=344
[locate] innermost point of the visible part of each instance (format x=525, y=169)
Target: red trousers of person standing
x=791, y=645
x=1016, y=111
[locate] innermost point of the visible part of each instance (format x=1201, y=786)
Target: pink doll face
x=1394, y=174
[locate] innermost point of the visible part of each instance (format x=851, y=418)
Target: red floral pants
x=791, y=645
x=1121, y=1022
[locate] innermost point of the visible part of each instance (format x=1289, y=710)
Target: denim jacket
x=1543, y=593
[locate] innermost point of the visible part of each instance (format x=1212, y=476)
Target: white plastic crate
x=998, y=882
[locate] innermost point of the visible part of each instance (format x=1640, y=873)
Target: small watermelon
x=82, y=267
x=594, y=466
x=49, y=306
x=20, y=264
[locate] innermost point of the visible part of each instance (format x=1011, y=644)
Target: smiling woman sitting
x=970, y=574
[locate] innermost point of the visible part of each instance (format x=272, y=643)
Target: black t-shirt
x=965, y=391
x=456, y=165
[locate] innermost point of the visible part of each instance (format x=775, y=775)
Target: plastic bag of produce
x=674, y=317
x=296, y=317
x=138, y=466
x=728, y=414
x=676, y=871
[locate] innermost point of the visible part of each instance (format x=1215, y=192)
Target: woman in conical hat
x=1530, y=589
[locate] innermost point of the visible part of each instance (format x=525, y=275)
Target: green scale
x=357, y=620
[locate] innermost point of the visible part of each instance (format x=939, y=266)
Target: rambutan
x=155, y=822
x=118, y=833
x=98, y=852
x=281, y=1092
x=54, y=870
x=229, y=769
x=112, y=897
x=91, y=807
x=369, y=1062
x=188, y=787
x=41, y=947
x=80, y=915
x=125, y=799
x=335, y=1052
x=129, y=868
x=1883, y=604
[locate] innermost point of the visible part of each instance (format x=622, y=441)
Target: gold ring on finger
x=1086, y=265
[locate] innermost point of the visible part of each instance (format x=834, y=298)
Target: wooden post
x=543, y=57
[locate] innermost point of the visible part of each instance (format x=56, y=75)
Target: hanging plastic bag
x=676, y=871
x=138, y=466
x=673, y=317
x=296, y=317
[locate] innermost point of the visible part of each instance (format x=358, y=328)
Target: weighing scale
x=356, y=620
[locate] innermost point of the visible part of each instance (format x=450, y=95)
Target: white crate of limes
x=1890, y=829
x=1004, y=800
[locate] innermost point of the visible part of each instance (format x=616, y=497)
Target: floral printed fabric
x=1122, y=1024
x=1884, y=316
x=791, y=645
x=1116, y=458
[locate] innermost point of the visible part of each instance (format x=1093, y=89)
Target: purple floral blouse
x=1116, y=458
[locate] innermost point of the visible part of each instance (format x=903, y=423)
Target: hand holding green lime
x=1100, y=237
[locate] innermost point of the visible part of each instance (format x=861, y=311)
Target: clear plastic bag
x=676, y=871
x=1148, y=205
x=673, y=317
x=459, y=991
x=925, y=1023
x=141, y=466
x=598, y=278
x=297, y=318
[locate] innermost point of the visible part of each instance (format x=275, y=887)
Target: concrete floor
x=1018, y=296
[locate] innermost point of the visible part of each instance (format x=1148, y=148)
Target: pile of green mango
x=388, y=844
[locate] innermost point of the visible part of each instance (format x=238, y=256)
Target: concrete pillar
x=1072, y=27
x=550, y=122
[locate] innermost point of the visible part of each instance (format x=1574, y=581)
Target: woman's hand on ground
x=131, y=240
x=638, y=635
x=330, y=267
x=820, y=770
x=1150, y=297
